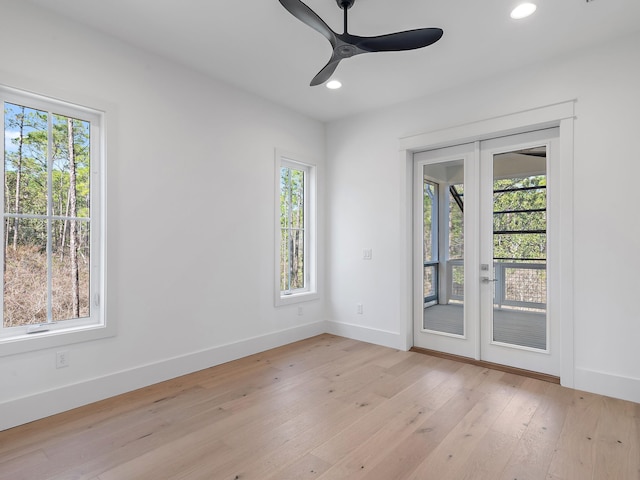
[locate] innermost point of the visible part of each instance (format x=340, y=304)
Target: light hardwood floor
x=330, y=408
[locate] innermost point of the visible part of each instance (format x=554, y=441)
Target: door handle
x=488, y=280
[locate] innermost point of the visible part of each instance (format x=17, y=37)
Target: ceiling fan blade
x=393, y=42
x=326, y=72
x=308, y=16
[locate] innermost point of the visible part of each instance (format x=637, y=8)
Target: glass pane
x=70, y=168
x=519, y=194
x=529, y=220
x=520, y=247
x=291, y=259
x=297, y=199
x=444, y=273
x=25, y=163
x=525, y=284
x=291, y=198
x=520, y=244
x=456, y=222
x=25, y=275
x=285, y=197
x=296, y=259
x=457, y=280
x=70, y=269
x=47, y=174
x=284, y=259
x=292, y=182
x=430, y=224
x=429, y=281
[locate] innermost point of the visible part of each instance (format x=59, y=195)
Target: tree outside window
x=47, y=221
x=292, y=229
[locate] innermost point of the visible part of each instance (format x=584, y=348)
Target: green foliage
x=456, y=226
x=429, y=209
x=529, y=240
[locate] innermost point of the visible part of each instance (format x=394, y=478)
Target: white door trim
x=557, y=115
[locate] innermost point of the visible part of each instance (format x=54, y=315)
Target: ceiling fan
x=346, y=45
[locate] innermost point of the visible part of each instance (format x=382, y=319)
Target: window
x=295, y=231
x=51, y=230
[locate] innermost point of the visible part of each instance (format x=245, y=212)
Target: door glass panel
x=520, y=248
x=430, y=241
x=443, y=251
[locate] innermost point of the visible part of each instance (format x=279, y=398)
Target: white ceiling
x=258, y=46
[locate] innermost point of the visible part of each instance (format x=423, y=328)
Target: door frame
x=557, y=115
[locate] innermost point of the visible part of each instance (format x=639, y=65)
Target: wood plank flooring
x=330, y=408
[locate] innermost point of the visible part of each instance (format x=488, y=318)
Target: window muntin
x=295, y=217
x=51, y=217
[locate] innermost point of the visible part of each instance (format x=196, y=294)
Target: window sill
x=296, y=298
x=54, y=338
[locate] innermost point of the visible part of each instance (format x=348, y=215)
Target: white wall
x=368, y=182
x=189, y=212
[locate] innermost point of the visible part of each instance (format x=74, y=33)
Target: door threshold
x=494, y=366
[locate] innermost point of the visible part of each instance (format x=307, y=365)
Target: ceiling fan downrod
x=345, y=5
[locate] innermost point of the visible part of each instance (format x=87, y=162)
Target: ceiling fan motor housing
x=346, y=50
x=345, y=4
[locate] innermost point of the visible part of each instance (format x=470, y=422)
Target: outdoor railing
x=521, y=285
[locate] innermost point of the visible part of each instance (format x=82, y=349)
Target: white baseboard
x=27, y=409
x=625, y=388
x=366, y=334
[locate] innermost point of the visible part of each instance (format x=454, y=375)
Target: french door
x=485, y=248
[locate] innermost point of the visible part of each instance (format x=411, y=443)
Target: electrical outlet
x=367, y=254
x=300, y=311
x=62, y=359
x=359, y=309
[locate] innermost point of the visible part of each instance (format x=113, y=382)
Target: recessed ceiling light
x=334, y=84
x=523, y=10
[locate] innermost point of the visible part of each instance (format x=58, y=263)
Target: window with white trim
x=295, y=230
x=51, y=231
